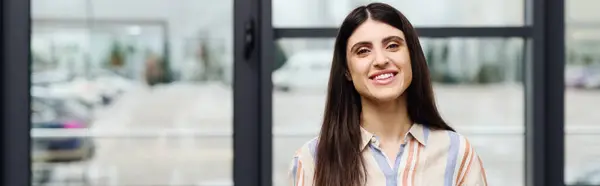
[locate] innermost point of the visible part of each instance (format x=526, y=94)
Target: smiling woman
x=381, y=125
x=379, y=59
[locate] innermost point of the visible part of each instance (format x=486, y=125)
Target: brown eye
x=393, y=45
x=362, y=51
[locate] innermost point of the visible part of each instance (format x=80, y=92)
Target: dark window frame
x=15, y=36
x=429, y=32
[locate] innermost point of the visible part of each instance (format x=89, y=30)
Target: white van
x=304, y=70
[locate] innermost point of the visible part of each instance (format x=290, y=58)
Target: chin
x=386, y=96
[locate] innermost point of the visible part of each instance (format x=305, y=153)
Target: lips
x=383, y=74
x=383, y=77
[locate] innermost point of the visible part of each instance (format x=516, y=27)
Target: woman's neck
x=389, y=121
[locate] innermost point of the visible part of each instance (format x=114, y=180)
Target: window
x=155, y=86
x=582, y=83
x=469, y=74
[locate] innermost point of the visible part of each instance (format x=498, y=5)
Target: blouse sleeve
x=296, y=176
x=475, y=174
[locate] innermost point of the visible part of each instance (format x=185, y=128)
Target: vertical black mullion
x=545, y=95
x=252, y=93
x=267, y=48
x=245, y=97
x=15, y=37
x=555, y=90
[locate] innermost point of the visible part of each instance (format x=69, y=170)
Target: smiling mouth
x=384, y=78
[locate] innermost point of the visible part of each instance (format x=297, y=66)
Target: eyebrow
x=384, y=40
x=391, y=38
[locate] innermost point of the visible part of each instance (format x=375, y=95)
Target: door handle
x=249, y=38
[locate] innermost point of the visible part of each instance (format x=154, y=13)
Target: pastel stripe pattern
x=427, y=157
x=409, y=162
x=419, y=149
x=451, y=159
x=295, y=171
x=467, y=158
x=384, y=166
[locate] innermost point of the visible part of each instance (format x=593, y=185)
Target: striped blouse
x=427, y=157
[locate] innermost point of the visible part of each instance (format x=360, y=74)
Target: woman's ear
x=348, y=77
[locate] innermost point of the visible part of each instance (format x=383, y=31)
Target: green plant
x=571, y=57
x=118, y=54
x=433, y=64
x=490, y=73
x=587, y=59
x=167, y=75
x=280, y=57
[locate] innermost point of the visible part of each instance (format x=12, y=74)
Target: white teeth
x=384, y=76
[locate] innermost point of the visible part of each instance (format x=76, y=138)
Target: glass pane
x=466, y=71
x=171, y=160
x=316, y=13
x=582, y=93
x=131, y=92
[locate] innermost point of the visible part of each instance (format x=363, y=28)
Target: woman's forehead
x=373, y=31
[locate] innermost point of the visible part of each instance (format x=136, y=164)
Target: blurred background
x=151, y=81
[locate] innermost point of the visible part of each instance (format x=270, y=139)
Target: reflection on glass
x=478, y=87
x=131, y=92
x=582, y=93
x=330, y=13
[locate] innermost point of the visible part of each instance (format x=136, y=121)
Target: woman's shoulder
x=302, y=165
x=308, y=149
x=447, y=139
x=455, y=149
x=451, y=146
x=304, y=156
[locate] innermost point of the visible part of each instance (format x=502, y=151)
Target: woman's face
x=378, y=61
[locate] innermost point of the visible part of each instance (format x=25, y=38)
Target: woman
x=381, y=125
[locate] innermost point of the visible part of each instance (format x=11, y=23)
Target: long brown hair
x=338, y=158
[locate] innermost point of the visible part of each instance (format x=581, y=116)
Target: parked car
x=49, y=77
x=304, y=70
x=587, y=77
x=61, y=114
x=100, y=87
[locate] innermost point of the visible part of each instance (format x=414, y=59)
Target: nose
x=380, y=58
